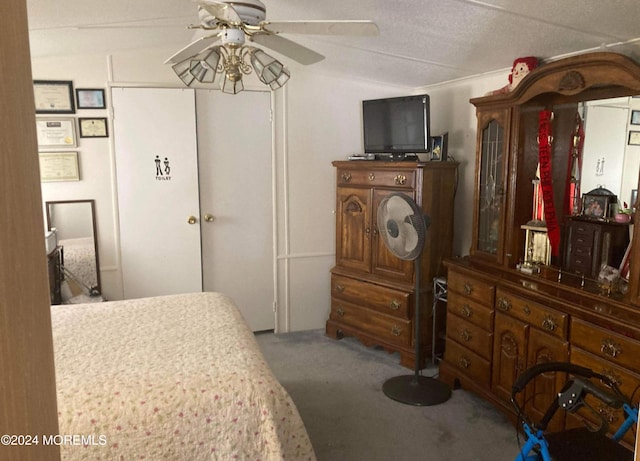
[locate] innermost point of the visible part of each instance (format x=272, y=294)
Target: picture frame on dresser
x=596, y=206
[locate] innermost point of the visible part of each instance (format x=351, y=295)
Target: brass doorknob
x=208, y=218
x=192, y=219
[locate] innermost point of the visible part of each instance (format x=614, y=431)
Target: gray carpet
x=337, y=387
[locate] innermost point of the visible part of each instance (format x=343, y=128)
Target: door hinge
x=275, y=306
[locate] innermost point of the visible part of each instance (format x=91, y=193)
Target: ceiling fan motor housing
x=233, y=37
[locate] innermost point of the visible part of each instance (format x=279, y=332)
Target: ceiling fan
x=227, y=25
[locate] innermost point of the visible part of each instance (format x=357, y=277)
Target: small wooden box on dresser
x=373, y=291
x=501, y=321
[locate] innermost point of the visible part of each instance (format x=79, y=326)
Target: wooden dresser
x=501, y=321
x=372, y=291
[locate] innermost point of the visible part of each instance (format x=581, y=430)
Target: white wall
x=316, y=120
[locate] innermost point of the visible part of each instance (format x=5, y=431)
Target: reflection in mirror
x=75, y=224
x=608, y=161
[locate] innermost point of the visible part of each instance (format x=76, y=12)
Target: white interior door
x=234, y=142
x=157, y=180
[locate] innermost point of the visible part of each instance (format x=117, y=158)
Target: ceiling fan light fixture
x=183, y=71
x=267, y=67
x=281, y=80
x=204, y=68
x=232, y=84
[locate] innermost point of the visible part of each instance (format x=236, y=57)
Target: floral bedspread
x=175, y=377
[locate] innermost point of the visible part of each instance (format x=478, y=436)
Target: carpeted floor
x=337, y=387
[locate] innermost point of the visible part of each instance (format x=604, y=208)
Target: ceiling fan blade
x=222, y=11
x=361, y=28
x=288, y=48
x=193, y=48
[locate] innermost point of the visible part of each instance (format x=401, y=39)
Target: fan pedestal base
x=416, y=390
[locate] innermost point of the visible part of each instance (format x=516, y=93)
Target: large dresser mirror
x=608, y=161
x=75, y=224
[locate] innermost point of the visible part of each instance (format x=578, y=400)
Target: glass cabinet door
x=490, y=183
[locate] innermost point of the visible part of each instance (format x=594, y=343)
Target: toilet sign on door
x=163, y=170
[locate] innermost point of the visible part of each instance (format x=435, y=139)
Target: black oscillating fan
x=403, y=227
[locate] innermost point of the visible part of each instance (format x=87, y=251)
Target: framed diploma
x=55, y=132
x=59, y=166
x=90, y=98
x=53, y=97
x=93, y=127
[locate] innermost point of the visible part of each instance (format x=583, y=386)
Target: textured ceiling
x=421, y=42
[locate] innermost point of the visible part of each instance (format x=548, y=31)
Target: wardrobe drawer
x=471, y=287
x=533, y=313
x=469, y=335
x=386, y=327
x=387, y=178
x=382, y=299
x=607, y=344
x=474, y=366
x=469, y=310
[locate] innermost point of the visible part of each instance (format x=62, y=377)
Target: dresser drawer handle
x=396, y=330
x=372, y=176
x=504, y=304
x=465, y=335
x=346, y=176
x=526, y=309
x=466, y=311
x=339, y=288
x=400, y=179
x=468, y=288
x=464, y=362
x=609, y=347
x=340, y=312
x=549, y=324
x=395, y=304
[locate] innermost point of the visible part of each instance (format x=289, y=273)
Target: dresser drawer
x=474, y=366
x=472, y=288
x=386, y=327
x=626, y=380
x=607, y=344
x=382, y=299
x=469, y=310
x=533, y=313
x=380, y=178
x=469, y=335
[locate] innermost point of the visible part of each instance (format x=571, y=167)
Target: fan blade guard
x=402, y=226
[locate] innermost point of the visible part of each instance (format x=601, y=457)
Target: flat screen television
x=396, y=125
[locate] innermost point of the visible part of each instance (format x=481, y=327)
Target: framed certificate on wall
x=55, y=132
x=53, y=97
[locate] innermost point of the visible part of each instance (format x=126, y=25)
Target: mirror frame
x=91, y=202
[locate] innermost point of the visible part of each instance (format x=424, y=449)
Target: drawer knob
x=609, y=347
x=468, y=288
x=466, y=311
x=340, y=312
x=465, y=335
x=396, y=330
x=395, y=304
x=400, y=180
x=504, y=304
x=339, y=288
x=526, y=309
x=464, y=362
x=372, y=176
x=346, y=176
x=549, y=324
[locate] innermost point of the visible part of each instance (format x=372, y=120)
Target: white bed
x=176, y=377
